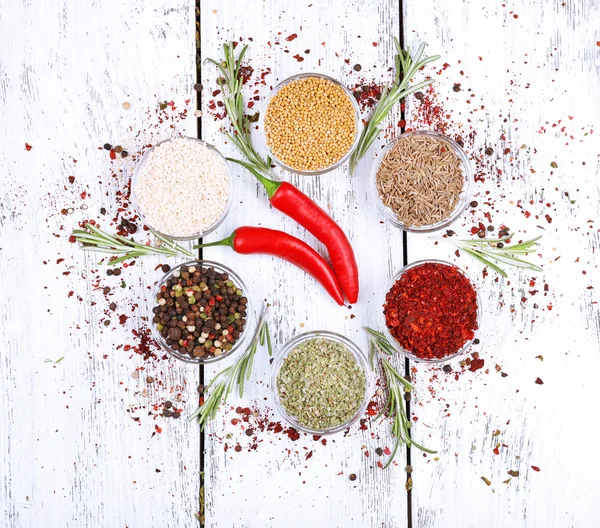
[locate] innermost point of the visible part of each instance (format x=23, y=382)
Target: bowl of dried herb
x=422, y=181
x=321, y=382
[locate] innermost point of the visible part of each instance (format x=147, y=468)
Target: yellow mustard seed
x=310, y=124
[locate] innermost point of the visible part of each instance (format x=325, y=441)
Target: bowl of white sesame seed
x=182, y=188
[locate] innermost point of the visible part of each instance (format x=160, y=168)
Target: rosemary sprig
x=406, y=69
x=494, y=251
x=397, y=386
x=234, y=105
x=237, y=374
x=94, y=239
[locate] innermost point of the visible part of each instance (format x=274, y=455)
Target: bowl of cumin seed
x=423, y=181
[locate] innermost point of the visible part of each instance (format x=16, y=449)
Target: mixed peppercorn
x=200, y=312
x=431, y=310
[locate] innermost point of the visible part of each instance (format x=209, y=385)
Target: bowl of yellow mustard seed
x=310, y=124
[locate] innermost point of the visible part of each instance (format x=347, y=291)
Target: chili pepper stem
x=270, y=186
x=224, y=242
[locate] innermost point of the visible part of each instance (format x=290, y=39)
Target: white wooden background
x=70, y=453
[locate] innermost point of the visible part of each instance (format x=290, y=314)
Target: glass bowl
x=393, y=340
x=140, y=211
x=263, y=135
x=361, y=360
x=465, y=195
x=234, y=277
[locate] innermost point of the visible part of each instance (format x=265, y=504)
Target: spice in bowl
x=182, y=188
x=431, y=310
x=422, y=180
x=200, y=312
x=320, y=384
x=310, y=123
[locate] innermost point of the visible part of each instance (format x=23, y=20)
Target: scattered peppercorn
x=106, y=290
x=352, y=477
x=249, y=432
x=379, y=451
x=474, y=203
x=107, y=146
x=447, y=369
x=109, y=272
x=357, y=67
x=198, y=87
x=489, y=151
x=456, y=87
x=176, y=414
x=113, y=306
x=238, y=448
x=476, y=341
x=118, y=149
x=490, y=228
x=450, y=233
x=168, y=404
x=200, y=389
x=117, y=272
x=165, y=268
x=500, y=245
x=481, y=234
x=149, y=379
x=107, y=322
x=124, y=154
x=419, y=96
x=102, y=210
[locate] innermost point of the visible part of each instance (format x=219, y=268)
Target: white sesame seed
x=182, y=187
x=218, y=326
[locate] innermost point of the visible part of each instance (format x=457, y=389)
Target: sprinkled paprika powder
x=431, y=310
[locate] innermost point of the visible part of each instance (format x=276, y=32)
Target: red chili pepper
x=260, y=240
x=295, y=204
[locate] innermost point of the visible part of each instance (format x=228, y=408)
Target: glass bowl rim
x=263, y=111
x=159, y=339
x=214, y=225
x=464, y=198
x=394, y=342
x=361, y=359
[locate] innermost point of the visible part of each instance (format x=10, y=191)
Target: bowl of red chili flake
x=432, y=311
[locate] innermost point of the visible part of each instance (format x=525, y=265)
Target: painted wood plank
x=71, y=454
x=303, y=482
x=525, y=72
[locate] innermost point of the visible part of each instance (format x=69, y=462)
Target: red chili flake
x=548, y=218
x=58, y=261
x=83, y=195
x=298, y=57
x=293, y=36
x=324, y=441
x=309, y=455
x=432, y=310
x=367, y=95
x=122, y=319
x=28, y=147
x=158, y=429
x=539, y=381
x=293, y=434
x=71, y=179
x=113, y=154
x=535, y=468
x=496, y=451
x=387, y=451
x=476, y=364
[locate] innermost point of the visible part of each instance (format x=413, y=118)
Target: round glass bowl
x=463, y=201
x=361, y=360
x=237, y=281
x=393, y=340
x=264, y=136
x=140, y=211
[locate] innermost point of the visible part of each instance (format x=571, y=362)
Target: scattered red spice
x=539, y=381
x=535, y=468
x=432, y=310
x=476, y=364
x=367, y=95
x=298, y=57
x=293, y=36
x=28, y=147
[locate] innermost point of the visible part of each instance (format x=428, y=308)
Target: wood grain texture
x=70, y=453
x=277, y=485
x=526, y=71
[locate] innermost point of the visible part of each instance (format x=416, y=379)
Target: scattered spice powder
x=431, y=310
x=321, y=384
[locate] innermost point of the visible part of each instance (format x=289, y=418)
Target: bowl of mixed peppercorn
x=200, y=311
x=431, y=311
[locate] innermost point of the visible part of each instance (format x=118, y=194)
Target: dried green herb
x=320, y=384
